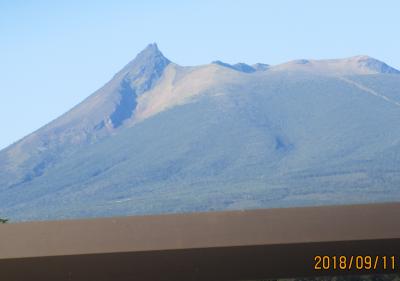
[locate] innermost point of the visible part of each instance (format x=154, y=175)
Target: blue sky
x=53, y=55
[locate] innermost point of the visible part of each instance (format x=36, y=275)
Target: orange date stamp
x=360, y=262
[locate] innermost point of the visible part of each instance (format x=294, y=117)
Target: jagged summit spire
x=152, y=46
x=148, y=65
x=150, y=50
x=150, y=55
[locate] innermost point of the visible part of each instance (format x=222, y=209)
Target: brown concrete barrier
x=235, y=245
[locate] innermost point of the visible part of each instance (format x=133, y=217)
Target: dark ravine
x=126, y=106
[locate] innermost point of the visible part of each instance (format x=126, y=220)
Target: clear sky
x=53, y=54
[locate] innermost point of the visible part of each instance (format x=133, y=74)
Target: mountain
x=243, y=67
x=349, y=66
x=99, y=116
x=164, y=138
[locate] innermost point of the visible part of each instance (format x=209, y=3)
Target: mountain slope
x=99, y=116
x=360, y=65
x=211, y=138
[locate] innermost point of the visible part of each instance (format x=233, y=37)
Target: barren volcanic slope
x=162, y=138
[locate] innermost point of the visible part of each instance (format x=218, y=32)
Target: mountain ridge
x=361, y=65
x=256, y=133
